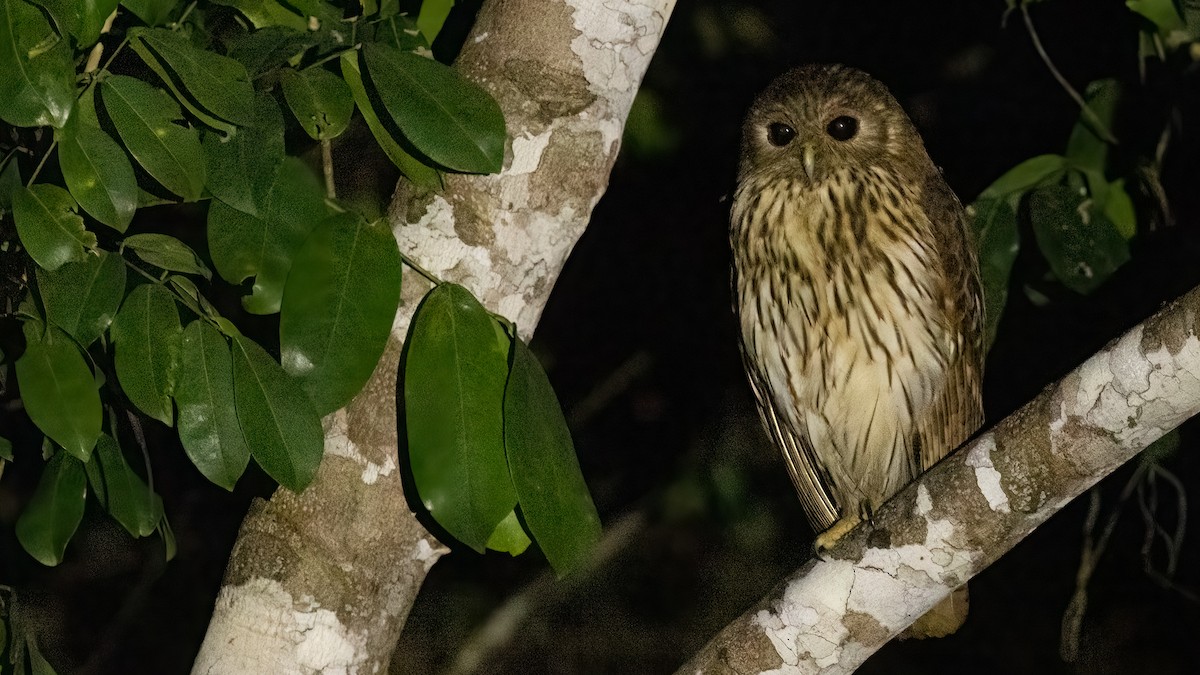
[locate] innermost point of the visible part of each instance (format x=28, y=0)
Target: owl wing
x=956, y=411
x=811, y=483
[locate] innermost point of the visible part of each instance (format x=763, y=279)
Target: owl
x=857, y=292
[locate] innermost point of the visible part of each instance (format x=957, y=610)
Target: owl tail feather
x=944, y=619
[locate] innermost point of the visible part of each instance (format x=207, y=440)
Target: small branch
x=327, y=166
x=1100, y=127
x=433, y=278
x=38, y=168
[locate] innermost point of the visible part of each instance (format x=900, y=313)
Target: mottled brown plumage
x=857, y=290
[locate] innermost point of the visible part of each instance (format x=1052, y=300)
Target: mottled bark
x=968, y=511
x=323, y=581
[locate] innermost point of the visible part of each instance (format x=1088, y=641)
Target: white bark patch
x=265, y=630
x=615, y=51
x=527, y=153
x=428, y=554
x=338, y=443
x=807, y=619
x=986, y=475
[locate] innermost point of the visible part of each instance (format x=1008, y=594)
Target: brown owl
x=857, y=290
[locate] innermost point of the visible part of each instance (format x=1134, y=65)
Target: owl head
x=818, y=120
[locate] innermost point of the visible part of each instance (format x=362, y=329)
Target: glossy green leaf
x=38, y=86
x=509, y=537
x=167, y=252
x=447, y=117
x=267, y=48
x=146, y=335
x=266, y=13
x=208, y=421
x=82, y=18
x=50, y=229
x=243, y=167
x=96, y=170
x=399, y=31
x=278, y=421
x=416, y=171
x=53, y=514
x=320, y=101
x=168, y=537
x=432, y=17
x=1162, y=13
x=151, y=12
x=997, y=242
x=338, y=307
x=58, y=389
x=121, y=491
x=454, y=375
x=38, y=665
x=1080, y=243
x=1025, y=176
x=82, y=298
x=6, y=454
x=1118, y=208
x=217, y=84
x=145, y=117
x=554, y=498
x=1085, y=148
x=242, y=246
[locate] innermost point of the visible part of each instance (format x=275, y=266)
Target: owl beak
x=809, y=155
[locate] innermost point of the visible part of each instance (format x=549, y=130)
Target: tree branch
x=970, y=509
x=324, y=580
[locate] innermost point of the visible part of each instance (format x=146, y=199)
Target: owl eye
x=842, y=128
x=780, y=134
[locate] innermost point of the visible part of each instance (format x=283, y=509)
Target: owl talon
x=829, y=538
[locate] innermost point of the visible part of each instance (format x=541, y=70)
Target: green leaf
x=243, y=167
x=96, y=170
x=151, y=12
x=338, y=307
x=82, y=18
x=1085, y=148
x=38, y=665
x=167, y=253
x=419, y=173
x=49, y=227
x=146, y=336
x=168, y=537
x=53, y=514
x=320, y=101
x=1118, y=208
x=509, y=537
x=1025, y=176
x=82, y=298
x=6, y=454
x=448, y=118
x=145, y=118
x=267, y=48
x=217, y=84
x=454, y=374
x=1080, y=243
x=265, y=13
x=208, y=421
x=997, y=242
x=121, y=491
x=58, y=390
x=36, y=90
x=242, y=246
x=553, y=495
x=1162, y=13
x=278, y=421
x=432, y=17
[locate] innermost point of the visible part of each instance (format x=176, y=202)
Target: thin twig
x=38, y=168
x=327, y=165
x=1100, y=127
x=420, y=270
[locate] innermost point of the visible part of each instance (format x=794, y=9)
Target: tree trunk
x=323, y=580
x=970, y=509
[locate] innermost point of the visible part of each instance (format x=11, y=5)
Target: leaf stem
x=38, y=168
x=329, y=57
x=183, y=17
x=327, y=165
x=421, y=270
x=1088, y=113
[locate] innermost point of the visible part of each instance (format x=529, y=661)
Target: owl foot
x=829, y=538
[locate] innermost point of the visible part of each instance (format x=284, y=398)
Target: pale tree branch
x=323, y=581
x=970, y=509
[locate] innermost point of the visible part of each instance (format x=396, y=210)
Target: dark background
x=639, y=341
